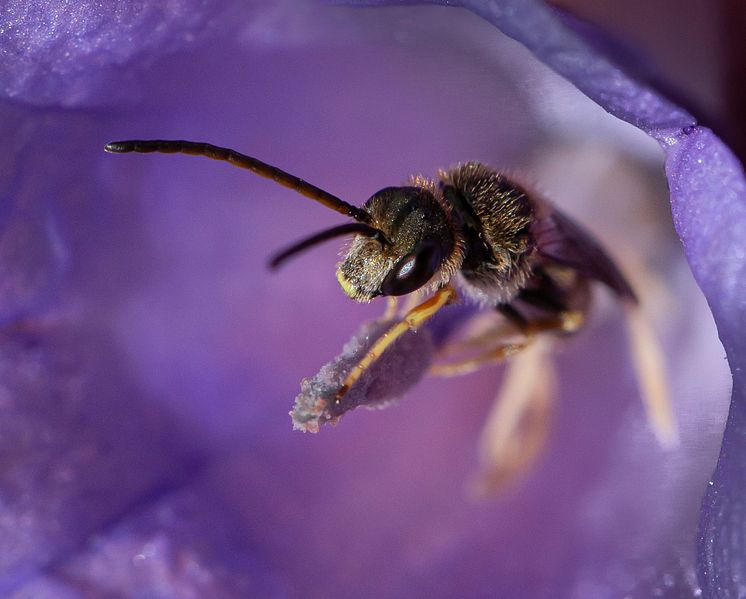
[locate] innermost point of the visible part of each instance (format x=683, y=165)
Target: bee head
x=417, y=241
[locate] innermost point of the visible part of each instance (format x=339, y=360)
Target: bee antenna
x=237, y=159
x=360, y=228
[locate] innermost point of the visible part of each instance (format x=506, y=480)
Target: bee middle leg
x=517, y=426
x=468, y=365
x=492, y=347
x=555, y=315
x=554, y=318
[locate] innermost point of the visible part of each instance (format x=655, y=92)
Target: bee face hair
x=421, y=240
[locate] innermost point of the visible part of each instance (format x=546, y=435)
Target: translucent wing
x=562, y=240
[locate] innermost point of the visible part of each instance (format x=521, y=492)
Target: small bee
x=471, y=232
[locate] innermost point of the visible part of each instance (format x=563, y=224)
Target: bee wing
x=562, y=240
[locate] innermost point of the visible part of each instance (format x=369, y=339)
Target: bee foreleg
x=412, y=320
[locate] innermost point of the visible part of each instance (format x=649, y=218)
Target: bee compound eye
x=402, y=272
x=412, y=271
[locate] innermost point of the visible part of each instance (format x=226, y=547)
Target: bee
x=470, y=233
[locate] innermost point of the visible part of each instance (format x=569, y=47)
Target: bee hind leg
x=517, y=426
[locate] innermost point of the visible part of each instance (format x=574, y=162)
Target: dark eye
x=412, y=271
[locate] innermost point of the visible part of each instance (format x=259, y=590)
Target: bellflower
x=149, y=359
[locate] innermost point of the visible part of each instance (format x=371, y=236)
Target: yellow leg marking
x=414, y=318
x=468, y=365
x=572, y=321
x=567, y=322
x=391, y=304
x=518, y=424
x=647, y=356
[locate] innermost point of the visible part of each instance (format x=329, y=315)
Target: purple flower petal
x=182, y=544
x=399, y=369
x=62, y=53
x=164, y=256
x=65, y=476
x=708, y=198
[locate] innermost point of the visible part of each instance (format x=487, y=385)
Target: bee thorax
x=495, y=216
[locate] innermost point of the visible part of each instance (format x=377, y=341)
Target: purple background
x=150, y=359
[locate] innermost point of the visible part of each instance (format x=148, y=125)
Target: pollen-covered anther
x=387, y=379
